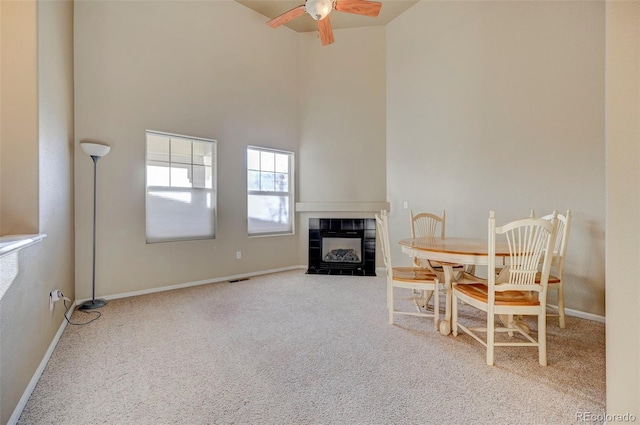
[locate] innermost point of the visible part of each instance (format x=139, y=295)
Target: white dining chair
x=515, y=292
x=413, y=278
x=426, y=225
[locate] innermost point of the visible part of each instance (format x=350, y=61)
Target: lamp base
x=91, y=304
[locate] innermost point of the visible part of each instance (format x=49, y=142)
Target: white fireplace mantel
x=342, y=206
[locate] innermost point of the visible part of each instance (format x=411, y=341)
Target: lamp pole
x=95, y=151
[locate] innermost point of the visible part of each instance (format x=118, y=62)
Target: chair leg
x=454, y=316
x=542, y=338
x=490, y=337
x=436, y=308
x=561, y=306
x=390, y=301
x=426, y=295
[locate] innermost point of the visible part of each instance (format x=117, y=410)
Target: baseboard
x=195, y=283
x=38, y=373
x=580, y=314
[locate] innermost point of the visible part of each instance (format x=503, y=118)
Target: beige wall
x=27, y=327
x=342, y=117
x=205, y=69
x=341, y=156
x=19, y=117
x=500, y=105
x=623, y=207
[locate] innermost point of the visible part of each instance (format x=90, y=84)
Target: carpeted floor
x=291, y=348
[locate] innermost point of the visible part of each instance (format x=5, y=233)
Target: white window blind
x=180, y=185
x=270, y=192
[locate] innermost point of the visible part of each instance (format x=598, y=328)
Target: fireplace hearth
x=342, y=246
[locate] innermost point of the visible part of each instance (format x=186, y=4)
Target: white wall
x=27, y=327
x=207, y=69
x=500, y=105
x=342, y=125
x=623, y=207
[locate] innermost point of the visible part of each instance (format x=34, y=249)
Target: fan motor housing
x=318, y=9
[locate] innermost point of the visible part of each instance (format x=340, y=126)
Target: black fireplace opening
x=343, y=246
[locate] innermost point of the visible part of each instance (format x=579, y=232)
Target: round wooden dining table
x=450, y=251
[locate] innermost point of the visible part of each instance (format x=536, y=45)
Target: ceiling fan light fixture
x=318, y=9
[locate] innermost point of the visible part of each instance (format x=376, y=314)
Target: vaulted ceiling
x=272, y=8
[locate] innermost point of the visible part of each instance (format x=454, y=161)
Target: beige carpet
x=290, y=348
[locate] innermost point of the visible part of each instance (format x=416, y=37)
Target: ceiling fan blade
x=359, y=7
x=326, y=32
x=287, y=16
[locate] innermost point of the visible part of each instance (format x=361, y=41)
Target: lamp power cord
x=97, y=314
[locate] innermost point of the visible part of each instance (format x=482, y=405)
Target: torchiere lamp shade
x=95, y=149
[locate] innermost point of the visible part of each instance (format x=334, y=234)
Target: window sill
x=13, y=243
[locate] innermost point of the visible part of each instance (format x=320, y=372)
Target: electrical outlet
x=238, y=255
x=54, y=296
x=405, y=205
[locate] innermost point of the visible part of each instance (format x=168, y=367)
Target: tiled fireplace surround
x=361, y=230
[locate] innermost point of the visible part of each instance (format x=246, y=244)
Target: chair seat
x=480, y=291
x=416, y=274
x=552, y=278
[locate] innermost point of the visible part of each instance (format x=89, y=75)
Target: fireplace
x=344, y=246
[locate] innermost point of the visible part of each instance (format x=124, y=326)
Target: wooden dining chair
x=515, y=292
x=414, y=278
x=556, y=277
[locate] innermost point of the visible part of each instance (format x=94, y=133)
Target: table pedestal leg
x=445, y=325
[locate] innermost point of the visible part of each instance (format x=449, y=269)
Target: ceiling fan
x=320, y=9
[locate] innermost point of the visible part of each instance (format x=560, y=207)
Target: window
x=269, y=191
x=181, y=183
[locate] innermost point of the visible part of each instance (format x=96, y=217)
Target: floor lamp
x=95, y=151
